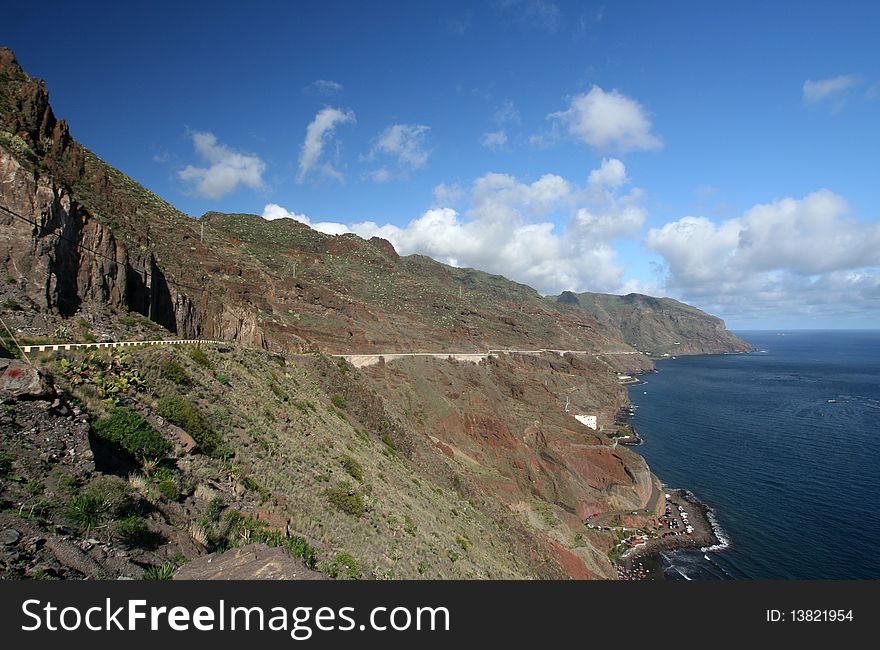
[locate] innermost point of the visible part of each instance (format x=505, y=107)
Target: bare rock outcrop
x=251, y=562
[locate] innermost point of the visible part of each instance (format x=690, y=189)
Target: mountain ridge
x=419, y=467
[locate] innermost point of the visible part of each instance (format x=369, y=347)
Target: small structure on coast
x=588, y=420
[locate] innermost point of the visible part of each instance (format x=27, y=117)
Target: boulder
x=251, y=562
x=19, y=379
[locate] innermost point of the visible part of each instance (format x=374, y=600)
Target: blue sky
x=723, y=155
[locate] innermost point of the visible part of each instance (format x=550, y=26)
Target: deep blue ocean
x=793, y=479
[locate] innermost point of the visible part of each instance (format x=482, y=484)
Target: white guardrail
x=58, y=347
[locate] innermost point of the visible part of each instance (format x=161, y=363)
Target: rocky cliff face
x=78, y=237
x=656, y=325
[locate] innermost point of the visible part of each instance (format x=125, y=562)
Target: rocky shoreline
x=688, y=524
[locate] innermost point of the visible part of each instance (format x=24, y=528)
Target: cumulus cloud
x=607, y=121
x=507, y=226
x=274, y=211
x=797, y=256
x=226, y=168
x=318, y=133
x=816, y=91
x=406, y=142
x=324, y=87
x=494, y=140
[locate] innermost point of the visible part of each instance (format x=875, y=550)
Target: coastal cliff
x=659, y=326
x=421, y=467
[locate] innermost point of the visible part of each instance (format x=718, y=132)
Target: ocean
x=793, y=478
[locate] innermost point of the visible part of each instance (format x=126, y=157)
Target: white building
x=588, y=420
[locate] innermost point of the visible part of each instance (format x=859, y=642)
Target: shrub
x=6, y=460
x=173, y=371
x=389, y=441
x=239, y=528
x=133, y=433
x=169, y=489
x=134, y=531
x=346, y=499
x=223, y=379
x=338, y=401
x=296, y=546
x=161, y=572
x=344, y=565
x=198, y=355
x=12, y=304
x=215, y=509
x=353, y=468
x=187, y=416
x=89, y=510
x=34, y=487
x=134, y=319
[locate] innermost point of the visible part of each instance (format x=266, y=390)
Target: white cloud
x=274, y=211
x=795, y=256
x=815, y=91
x=448, y=194
x=226, y=168
x=324, y=87
x=381, y=175
x=506, y=113
x=611, y=173
x=494, y=139
x=318, y=133
x=533, y=12
x=406, y=142
x=505, y=227
x=607, y=121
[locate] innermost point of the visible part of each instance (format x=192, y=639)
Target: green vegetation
x=389, y=441
x=173, y=371
x=547, y=513
x=353, y=468
x=338, y=401
x=215, y=509
x=130, y=431
x=198, y=355
x=345, y=498
x=8, y=344
x=6, y=460
x=133, y=531
x=34, y=487
x=134, y=320
x=89, y=510
x=345, y=566
x=160, y=572
x=11, y=304
x=112, y=374
x=188, y=417
x=241, y=529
